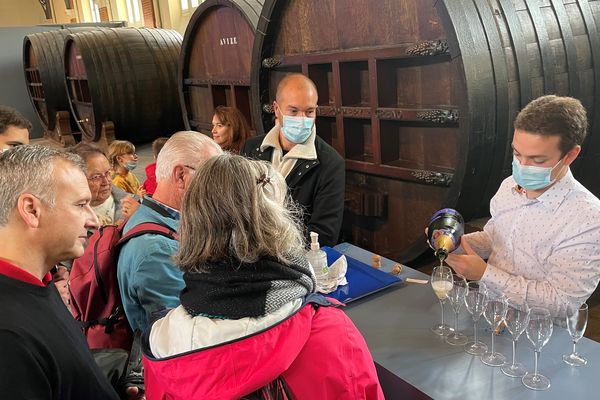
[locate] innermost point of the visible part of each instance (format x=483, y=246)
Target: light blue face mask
x=297, y=129
x=131, y=165
x=531, y=177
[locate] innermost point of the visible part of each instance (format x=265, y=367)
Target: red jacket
x=319, y=353
x=150, y=182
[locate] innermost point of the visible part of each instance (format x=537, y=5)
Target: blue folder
x=363, y=279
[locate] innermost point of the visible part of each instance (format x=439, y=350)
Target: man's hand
x=133, y=393
x=469, y=265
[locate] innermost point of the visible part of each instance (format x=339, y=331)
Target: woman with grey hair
x=249, y=322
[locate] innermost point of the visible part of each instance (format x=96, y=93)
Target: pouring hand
x=469, y=265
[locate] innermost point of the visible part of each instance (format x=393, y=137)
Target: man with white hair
x=148, y=280
x=45, y=214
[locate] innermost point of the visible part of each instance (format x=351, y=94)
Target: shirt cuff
x=495, y=278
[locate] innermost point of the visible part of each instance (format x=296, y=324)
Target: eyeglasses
x=190, y=167
x=98, y=177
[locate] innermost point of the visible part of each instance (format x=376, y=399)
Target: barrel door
x=126, y=76
x=215, y=60
x=419, y=96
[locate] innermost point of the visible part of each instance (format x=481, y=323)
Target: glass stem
x=514, y=352
x=442, y=307
x=537, y=355
x=574, y=345
x=475, y=331
x=455, y=324
x=492, y=340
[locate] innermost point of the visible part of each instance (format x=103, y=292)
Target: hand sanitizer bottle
x=318, y=260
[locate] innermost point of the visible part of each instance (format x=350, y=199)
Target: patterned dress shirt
x=545, y=251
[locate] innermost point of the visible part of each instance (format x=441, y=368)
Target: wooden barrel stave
x=131, y=75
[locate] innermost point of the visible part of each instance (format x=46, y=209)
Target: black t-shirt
x=43, y=353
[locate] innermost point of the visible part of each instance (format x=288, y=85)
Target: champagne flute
x=475, y=300
x=517, y=318
x=494, y=313
x=456, y=295
x=539, y=330
x=441, y=282
x=577, y=317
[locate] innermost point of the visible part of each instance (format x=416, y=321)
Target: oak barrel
x=127, y=76
x=419, y=96
x=44, y=73
x=215, y=60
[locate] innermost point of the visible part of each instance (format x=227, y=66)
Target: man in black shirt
x=44, y=217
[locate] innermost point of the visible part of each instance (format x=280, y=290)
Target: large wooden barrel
x=126, y=76
x=419, y=96
x=215, y=60
x=45, y=74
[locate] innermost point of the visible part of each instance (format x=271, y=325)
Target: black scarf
x=236, y=290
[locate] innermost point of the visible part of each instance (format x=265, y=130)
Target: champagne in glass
x=517, y=318
x=456, y=295
x=494, y=313
x=577, y=317
x=441, y=282
x=539, y=330
x=475, y=300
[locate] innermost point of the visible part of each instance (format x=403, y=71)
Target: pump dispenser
x=318, y=260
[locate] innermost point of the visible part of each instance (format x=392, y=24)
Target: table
x=396, y=326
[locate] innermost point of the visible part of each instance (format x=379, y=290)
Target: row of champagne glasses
x=517, y=317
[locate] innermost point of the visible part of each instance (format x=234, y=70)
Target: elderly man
x=44, y=217
x=148, y=280
x=314, y=171
x=542, y=243
x=14, y=128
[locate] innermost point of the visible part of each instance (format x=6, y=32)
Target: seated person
x=314, y=171
x=14, y=128
x=230, y=129
x=148, y=280
x=243, y=325
x=123, y=160
x=149, y=184
x=111, y=204
x=542, y=243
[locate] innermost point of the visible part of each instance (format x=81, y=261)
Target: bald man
x=313, y=170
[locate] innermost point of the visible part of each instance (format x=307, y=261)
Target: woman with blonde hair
x=123, y=160
x=249, y=323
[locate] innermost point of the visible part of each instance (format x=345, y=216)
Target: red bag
x=95, y=296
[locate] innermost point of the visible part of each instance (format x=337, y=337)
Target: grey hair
x=237, y=209
x=184, y=147
x=30, y=169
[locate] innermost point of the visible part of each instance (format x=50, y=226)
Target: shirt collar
x=14, y=272
x=304, y=150
x=553, y=197
x=173, y=213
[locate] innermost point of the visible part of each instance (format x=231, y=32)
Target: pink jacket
x=319, y=353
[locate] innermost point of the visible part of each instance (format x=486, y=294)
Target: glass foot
x=514, y=371
x=575, y=359
x=456, y=339
x=536, y=382
x=493, y=359
x=475, y=348
x=442, y=330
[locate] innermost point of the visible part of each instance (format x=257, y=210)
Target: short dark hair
x=240, y=131
x=158, y=144
x=11, y=117
x=86, y=150
x=552, y=115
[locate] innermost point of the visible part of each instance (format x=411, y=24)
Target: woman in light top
x=123, y=160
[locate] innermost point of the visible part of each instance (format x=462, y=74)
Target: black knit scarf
x=236, y=290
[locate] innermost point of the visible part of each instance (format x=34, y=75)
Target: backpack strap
x=148, y=228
